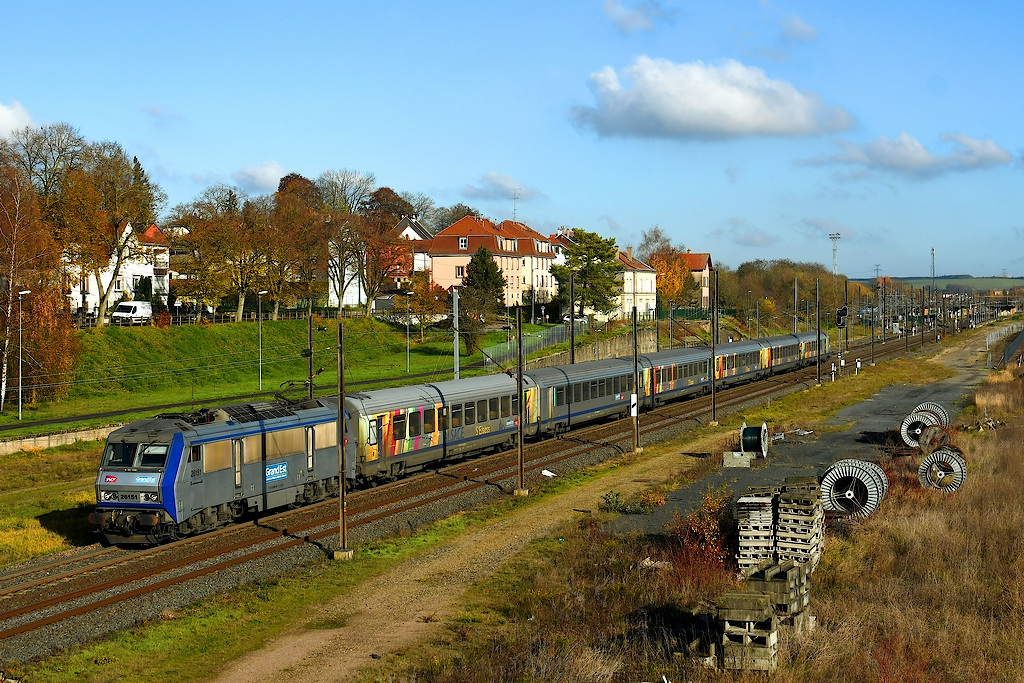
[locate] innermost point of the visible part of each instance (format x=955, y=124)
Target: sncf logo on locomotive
x=110, y=479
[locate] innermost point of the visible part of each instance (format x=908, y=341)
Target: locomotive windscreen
x=123, y=454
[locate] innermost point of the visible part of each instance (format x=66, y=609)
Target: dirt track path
x=412, y=602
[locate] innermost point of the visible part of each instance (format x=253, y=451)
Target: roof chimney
x=629, y=251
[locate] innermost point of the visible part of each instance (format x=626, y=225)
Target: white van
x=132, y=313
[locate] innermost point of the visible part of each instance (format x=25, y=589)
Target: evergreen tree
x=482, y=296
x=592, y=259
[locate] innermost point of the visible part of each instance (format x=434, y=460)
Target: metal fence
x=993, y=337
x=502, y=354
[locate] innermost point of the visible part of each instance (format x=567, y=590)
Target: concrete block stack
x=800, y=522
x=787, y=586
x=749, y=631
x=755, y=515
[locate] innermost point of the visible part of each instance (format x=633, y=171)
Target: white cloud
x=500, y=186
x=640, y=18
x=796, y=30
x=12, y=118
x=663, y=99
x=261, y=178
x=161, y=114
x=906, y=155
x=738, y=231
x=821, y=228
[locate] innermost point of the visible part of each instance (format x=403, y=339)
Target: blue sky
x=747, y=129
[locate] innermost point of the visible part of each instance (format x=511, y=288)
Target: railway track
x=40, y=600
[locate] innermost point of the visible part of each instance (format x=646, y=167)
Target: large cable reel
x=754, y=440
x=853, y=487
x=913, y=426
x=944, y=470
x=933, y=407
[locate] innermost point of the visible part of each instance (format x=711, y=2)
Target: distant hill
x=957, y=282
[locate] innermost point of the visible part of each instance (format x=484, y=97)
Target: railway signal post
x=521, y=490
x=342, y=552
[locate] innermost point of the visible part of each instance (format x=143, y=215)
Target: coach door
x=237, y=458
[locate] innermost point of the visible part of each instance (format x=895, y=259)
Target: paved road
x=868, y=424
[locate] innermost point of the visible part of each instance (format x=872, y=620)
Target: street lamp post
x=259, y=305
x=22, y=293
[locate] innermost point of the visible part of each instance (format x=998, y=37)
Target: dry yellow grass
x=931, y=587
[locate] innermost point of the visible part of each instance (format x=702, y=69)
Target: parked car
x=132, y=313
x=579, y=318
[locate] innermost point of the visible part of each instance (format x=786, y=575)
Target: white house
x=147, y=255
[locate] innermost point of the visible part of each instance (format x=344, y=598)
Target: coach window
x=251, y=448
x=492, y=409
x=470, y=414
x=515, y=405
x=414, y=422
x=586, y=391
x=593, y=388
x=398, y=426
x=456, y=415
x=218, y=456
x=506, y=406
x=428, y=420
x=481, y=410
x=371, y=437
x=577, y=392
x=559, y=396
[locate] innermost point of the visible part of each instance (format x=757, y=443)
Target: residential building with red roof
x=522, y=255
x=701, y=267
x=639, y=283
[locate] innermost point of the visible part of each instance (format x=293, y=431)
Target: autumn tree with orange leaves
x=675, y=281
x=29, y=261
x=384, y=253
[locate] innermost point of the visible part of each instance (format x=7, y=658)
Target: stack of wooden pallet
x=755, y=515
x=800, y=525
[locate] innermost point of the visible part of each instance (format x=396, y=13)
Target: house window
x=460, y=271
x=463, y=243
x=119, y=284
x=524, y=263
